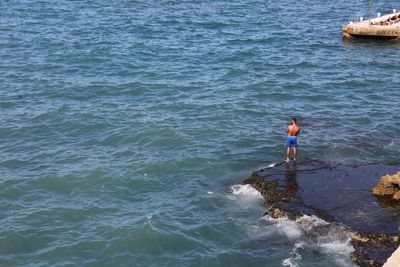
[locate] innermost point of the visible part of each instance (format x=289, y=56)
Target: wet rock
x=268, y=189
x=277, y=213
x=389, y=185
x=373, y=249
x=338, y=194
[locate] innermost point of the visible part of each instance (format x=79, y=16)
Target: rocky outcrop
x=372, y=249
x=338, y=194
x=389, y=185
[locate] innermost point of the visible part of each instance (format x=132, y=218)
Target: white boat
x=385, y=27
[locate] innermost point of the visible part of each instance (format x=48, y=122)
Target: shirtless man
x=293, y=130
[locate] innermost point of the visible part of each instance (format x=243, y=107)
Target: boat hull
x=385, y=28
x=371, y=37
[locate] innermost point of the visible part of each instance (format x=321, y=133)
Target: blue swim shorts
x=291, y=141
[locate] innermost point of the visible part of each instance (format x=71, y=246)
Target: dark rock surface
x=336, y=193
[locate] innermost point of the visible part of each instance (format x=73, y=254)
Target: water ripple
x=118, y=117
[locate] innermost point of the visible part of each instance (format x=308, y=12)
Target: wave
x=245, y=190
x=309, y=235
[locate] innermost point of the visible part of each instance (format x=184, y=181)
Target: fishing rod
x=369, y=13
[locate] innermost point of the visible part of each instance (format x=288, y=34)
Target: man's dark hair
x=294, y=119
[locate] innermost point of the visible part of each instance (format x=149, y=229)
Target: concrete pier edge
x=394, y=260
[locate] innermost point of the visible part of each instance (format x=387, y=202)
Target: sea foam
x=245, y=190
x=309, y=234
x=245, y=196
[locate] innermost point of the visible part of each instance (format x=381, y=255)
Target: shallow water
x=123, y=125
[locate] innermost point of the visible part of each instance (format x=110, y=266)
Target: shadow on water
x=291, y=179
x=370, y=43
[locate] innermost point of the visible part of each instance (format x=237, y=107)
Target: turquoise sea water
x=126, y=125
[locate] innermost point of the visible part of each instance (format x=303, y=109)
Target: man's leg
x=295, y=152
x=287, y=153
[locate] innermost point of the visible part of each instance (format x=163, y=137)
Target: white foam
x=309, y=222
x=294, y=256
x=390, y=144
x=269, y=166
x=246, y=196
x=289, y=262
x=337, y=247
x=289, y=229
x=306, y=233
x=276, y=227
x=295, y=229
x=245, y=190
x=272, y=165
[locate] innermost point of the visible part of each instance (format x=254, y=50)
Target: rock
x=340, y=195
x=277, y=213
x=372, y=249
x=389, y=185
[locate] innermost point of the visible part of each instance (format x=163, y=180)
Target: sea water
x=126, y=127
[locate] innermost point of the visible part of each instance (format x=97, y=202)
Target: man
x=293, y=130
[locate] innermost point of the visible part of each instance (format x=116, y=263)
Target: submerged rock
x=389, y=185
x=338, y=194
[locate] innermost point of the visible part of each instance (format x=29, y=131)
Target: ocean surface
x=126, y=127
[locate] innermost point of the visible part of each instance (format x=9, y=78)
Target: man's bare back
x=293, y=130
